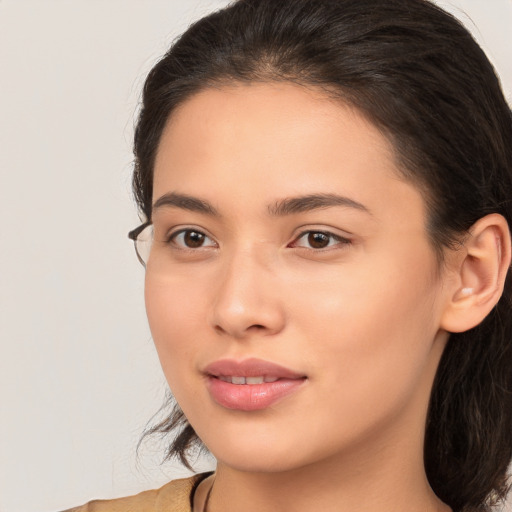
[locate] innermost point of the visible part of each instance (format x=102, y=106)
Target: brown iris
x=318, y=240
x=193, y=238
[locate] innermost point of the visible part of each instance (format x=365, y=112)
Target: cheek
x=390, y=294
x=174, y=315
x=369, y=331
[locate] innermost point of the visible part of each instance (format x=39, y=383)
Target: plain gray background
x=79, y=377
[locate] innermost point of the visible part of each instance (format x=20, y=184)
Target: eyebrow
x=185, y=202
x=280, y=208
x=310, y=202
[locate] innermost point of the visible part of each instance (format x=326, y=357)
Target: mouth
x=250, y=385
x=239, y=381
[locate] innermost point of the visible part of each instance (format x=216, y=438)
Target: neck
x=393, y=484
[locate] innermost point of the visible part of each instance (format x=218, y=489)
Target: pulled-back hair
x=416, y=73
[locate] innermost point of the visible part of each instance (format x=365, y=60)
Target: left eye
x=319, y=240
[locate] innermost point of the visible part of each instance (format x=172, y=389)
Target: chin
x=257, y=452
x=259, y=461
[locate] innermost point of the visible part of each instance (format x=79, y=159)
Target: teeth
x=246, y=380
x=254, y=380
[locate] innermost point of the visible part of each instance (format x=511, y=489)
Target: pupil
x=194, y=239
x=318, y=240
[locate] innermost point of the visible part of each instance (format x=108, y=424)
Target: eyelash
x=171, y=239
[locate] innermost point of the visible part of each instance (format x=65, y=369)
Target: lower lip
x=251, y=397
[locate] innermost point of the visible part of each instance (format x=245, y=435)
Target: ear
x=479, y=272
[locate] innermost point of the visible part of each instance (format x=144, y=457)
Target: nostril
x=255, y=327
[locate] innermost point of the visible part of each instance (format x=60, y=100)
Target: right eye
x=190, y=239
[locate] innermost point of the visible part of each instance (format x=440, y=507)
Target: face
x=288, y=247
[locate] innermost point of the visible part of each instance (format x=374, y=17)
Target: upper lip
x=250, y=368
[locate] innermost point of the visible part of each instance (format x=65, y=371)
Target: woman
x=326, y=188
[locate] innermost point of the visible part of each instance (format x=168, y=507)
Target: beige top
x=176, y=496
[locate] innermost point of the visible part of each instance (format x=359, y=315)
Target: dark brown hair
x=419, y=76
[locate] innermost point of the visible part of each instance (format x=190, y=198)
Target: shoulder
x=172, y=497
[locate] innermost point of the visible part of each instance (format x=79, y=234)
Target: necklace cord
x=207, y=499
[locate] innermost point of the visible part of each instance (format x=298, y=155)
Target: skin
x=361, y=318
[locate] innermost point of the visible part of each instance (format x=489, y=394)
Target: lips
x=250, y=385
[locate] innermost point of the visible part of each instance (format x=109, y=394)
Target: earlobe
x=482, y=265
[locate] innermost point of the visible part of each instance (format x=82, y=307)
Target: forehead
x=265, y=140
x=255, y=113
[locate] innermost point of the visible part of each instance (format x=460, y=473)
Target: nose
x=246, y=299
